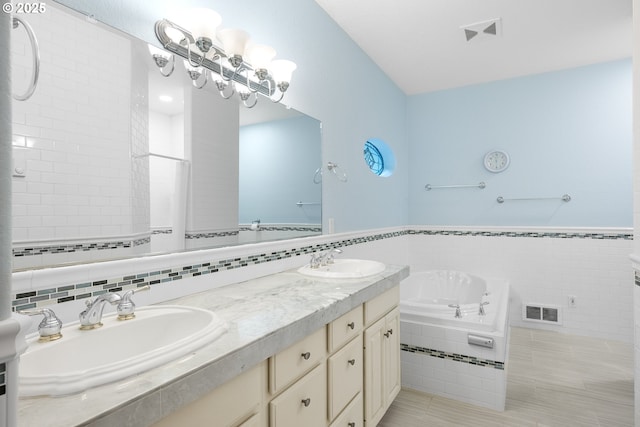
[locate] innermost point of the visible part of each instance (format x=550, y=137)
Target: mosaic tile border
x=471, y=360
x=77, y=291
x=53, y=249
x=80, y=247
x=3, y=379
x=71, y=292
x=210, y=235
x=552, y=235
x=314, y=229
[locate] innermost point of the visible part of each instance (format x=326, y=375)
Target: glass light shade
x=233, y=41
x=240, y=88
x=157, y=51
x=282, y=70
x=200, y=22
x=259, y=56
x=176, y=36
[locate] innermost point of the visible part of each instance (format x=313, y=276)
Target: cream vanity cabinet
x=381, y=354
x=345, y=374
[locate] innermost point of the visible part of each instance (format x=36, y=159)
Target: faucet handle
x=126, y=308
x=50, y=326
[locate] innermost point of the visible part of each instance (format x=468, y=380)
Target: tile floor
x=553, y=379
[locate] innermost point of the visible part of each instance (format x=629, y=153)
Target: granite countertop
x=264, y=316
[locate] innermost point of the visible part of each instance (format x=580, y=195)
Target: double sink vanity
x=313, y=346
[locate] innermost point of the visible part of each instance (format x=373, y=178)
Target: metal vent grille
x=542, y=313
x=483, y=30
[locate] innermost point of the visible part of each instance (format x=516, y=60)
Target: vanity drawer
x=353, y=415
x=226, y=406
x=345, y=376
x=381, y=305
x=290, y=364
x=303, y=404
x=344, y=328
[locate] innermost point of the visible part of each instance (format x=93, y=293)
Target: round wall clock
x=496, y=161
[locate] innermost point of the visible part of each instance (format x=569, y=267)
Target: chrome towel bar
x=564, y=198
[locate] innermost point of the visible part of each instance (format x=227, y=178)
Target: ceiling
x=422, y=47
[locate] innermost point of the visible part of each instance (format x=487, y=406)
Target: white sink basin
x=344, y=269
x=120, y=349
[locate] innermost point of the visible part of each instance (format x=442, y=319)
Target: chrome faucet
x=126, y=307
x=329, y=255
x=481, y=311
x=323, y=258
x=458, y=314
x=50, y=326
x=91, y=317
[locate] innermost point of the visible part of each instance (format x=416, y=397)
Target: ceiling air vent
x=483, y=30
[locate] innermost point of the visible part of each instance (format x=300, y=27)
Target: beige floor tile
x=552, y=380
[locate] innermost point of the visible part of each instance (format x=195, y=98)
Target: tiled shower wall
x=73, y=137
x=543, y=266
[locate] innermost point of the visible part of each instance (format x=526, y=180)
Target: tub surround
x=265, y=315
x=437, y=354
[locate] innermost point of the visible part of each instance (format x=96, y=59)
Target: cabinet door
x=392, y=356
x=302, y=404
x=374, y=368
x=345, y=376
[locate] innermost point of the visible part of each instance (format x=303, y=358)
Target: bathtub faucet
x=481, y=309
x=458, y=314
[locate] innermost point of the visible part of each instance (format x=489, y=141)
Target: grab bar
x=36, y=59
x=480, y=185
x=564, y=198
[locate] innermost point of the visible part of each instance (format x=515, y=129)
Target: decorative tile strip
x=3, y=379
x=79, y=247
x=552, y=235
x=453, y=356
x=311, y=229
x=71, y=292
x=162, y=231
x=210, y=235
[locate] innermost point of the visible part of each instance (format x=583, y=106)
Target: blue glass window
x=379, y=157
x=374, y=158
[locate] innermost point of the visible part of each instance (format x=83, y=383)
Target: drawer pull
x=306, y=355
x=351, y=325
x=351, y=362
x=351, y=424
x=306, y=402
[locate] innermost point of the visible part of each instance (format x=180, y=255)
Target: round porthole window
x=379, y=157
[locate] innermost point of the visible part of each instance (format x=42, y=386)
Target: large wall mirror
x=113, y=160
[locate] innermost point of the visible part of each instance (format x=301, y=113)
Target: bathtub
x=440, y=352
x=425, y=297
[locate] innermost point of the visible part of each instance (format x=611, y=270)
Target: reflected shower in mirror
x=106, y=168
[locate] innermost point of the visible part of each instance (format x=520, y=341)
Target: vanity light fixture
x=235, y=63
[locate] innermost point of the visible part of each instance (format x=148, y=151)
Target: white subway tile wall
x=74, y=133
x=544, y=265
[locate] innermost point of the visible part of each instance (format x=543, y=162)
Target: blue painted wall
x=278, y=160
x=566, y=132
x=336, y=82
